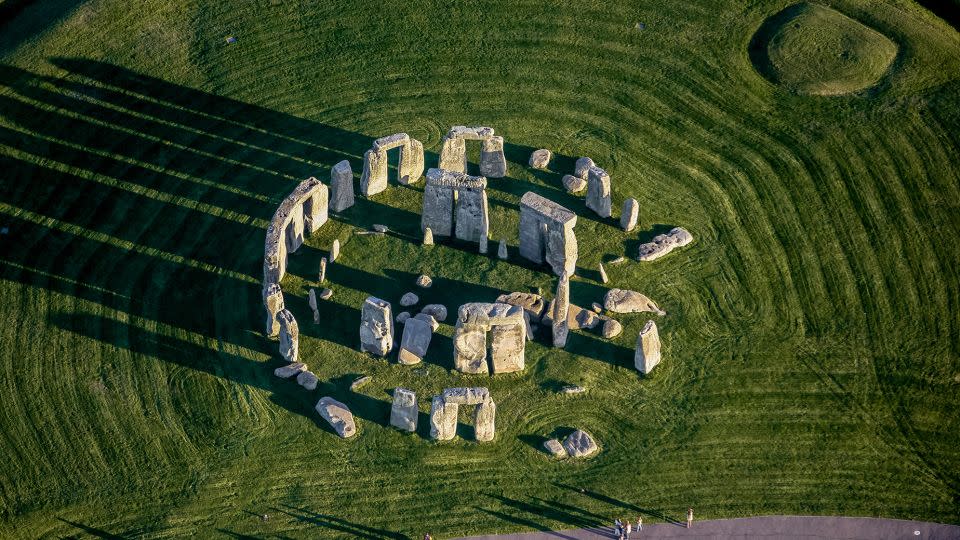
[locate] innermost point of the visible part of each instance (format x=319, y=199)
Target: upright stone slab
x=303, y=211
x=415, y=341
x=561, y=305
x=546, y=233
x=598, y=191
x=341, y=187
x=472, y=218
x=484, y=421
x=373, y=180
x=453, y=155
x=507, y=343
x=450, y=197
x=470, y=348
x=443, y=419
x=493, y=163
x=427, y=236
x=629, y=214
x=273, y=302
x=376, y=326
x=411, y=162
x=312, y=300
x=334, y=251
x=322, y=273
x=315, y=211
x=295, y=232
x=289, y=336
x=508, y=329
x=438, y=201
x=404, y=413
x=647, y=355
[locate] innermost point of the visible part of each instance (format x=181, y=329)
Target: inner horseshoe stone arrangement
x=489, y=337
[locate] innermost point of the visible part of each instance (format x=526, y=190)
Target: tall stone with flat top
x=376, y=326
x=629, y=214
x=647, y=355
x=598, y=191
x=493, y=163
x=341, y=187
x=546, y=233
x=453, y=198
x=561, y=305
x=273, y=302
x=443, y=419
x=443, y=413
x=417, y=334
x=289, y=336
x=404, y=413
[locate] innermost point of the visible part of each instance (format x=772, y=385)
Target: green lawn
x=812, y=336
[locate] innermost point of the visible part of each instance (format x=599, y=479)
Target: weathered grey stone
x=573, y=184
x=664, y=243
x=373, y=179
x=470, y=348
x=341, y=187
x=289, y=370
x=455, y=203
x=326, y=294
x=415, y=341
x=428, y=236
x=618, y=260
x=598, y=191
x=629, y=214
x=409, y=299
x=531, y=303
x=579, y=444
x=453, y=154
x=472, y=218
x=438, y=311
x=322, y=274
x=577, y=317
x=582, y=167
x=647, y=355
x=529, y=327
x=561, y=305
x=507, y=343
x=483, y=244
x=508, y=329
x=502, y=250
x=334, y=251
x=312, y=300
x=603, y=274
x=307, y=380
x=380, y=228
x=273, y=302
x=596, y=308
x=443, y=419
x=338, y=415
x=443, y=413
x=624, y=301
x=611, y=329
x=404, y=413
x=540, y=159
x=358, y=384
x=411, y=163
x=484, y=417
x=376, y=326
x=389, y=142
x=554, y=448
x=402, y=317
x=303, y=211
x=424, y=281
x=573, y=389
x=493, y=164
x=546, y=233
x=466, y=395
x=429, y=320
x=585, y=318
x=289, y=336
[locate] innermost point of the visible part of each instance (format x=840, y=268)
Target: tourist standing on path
x=689, y=518
x=639, y=523
x=618, y=528
x=628, y=531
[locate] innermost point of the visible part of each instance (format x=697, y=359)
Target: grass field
x=812, y=336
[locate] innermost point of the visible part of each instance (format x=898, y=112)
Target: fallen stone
x=664, y=243
x=402, y=317
x=579, y=444
x=341, y=187
x=427, y=318
x=577, y=317
x=334, y=251
x=502, y=250
x=554, y=448
x=326, y=294
x=624, y=301
x=415, y=341
x=629, y=214
x=307, y=380
x=539, y=159
x=338, y=415
x=611, y=329
x=586, y=318
x=603, y=274
x=582, y=167
x=424, y=282
x=289, y=370
x=647, y=355
x=409, y=299
x=572, y=390
x=438, y=311
x=357, y=384
x=427, y=237
x=531, y=303
x=380, y=228
x=404, y=413
x=618, y=260
x=376, y=326
x=573, y=184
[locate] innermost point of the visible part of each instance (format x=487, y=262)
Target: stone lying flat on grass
x=611, y=329
x=415, y=341
x=402, y=317
x=290, y=370
x=539, y=159
x=424, y=281
x=380, y=228
x=664, y=243
x=554, y=448
x=573, y=183
x=438, y=311
x=625, y=301
x=338, y=415
x=355, y=385
x=409, y=299
x=307, y=380
x=579, y=444
x=577, y=317
x=531, y=303
x=572, y=390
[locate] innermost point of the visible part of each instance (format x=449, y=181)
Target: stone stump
x=404, y=413
x=376, y=326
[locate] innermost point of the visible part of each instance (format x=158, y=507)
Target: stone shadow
x=655, y=513
x=326, y=521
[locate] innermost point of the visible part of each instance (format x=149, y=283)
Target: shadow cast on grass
x=353, y=530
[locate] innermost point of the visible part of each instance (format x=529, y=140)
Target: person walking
x=627, y=530
x=689, y=518
x=618, y=528
x=639, y=524
x=427, y=537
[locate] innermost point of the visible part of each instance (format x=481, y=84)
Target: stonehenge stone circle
x=341, y=187
x=629, y=214
x=338, y=415
x=437, y=311
x=289, y=336
x=307, y=380
x=598, y=191
x=455, y=204
x=624, y=301
x=404, y=412
x=664, y=243
x=561, y=305
x=289, y=370
x=647, y=355
x=507, y=329
x=582, y=168
x=273, y=301
x=444, y=408
x=453, y=151
x=540, y=159
x=417, y=334
x=374, y=177
x=376, y=326
x=573, y=183
x=302, y=212
x=546, y=233
x=579, y=444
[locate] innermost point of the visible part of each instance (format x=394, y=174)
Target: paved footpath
x=768, y=527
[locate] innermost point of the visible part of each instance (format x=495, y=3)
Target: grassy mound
x=813, y=49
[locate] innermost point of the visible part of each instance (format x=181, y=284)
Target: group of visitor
x=623, y=528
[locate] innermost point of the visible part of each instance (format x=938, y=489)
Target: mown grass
x=811, y=342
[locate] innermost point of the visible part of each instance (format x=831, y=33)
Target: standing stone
x=625, y=301
x=508, y=331
x=629, y=214
x=341, y=187
x=404, y=413
x=603, y=274
x=507, y=343
x=376, y=326
x=470, y=348
x=453, y=154
x=598, y=191
x=483, y=244
x=539, y=159
x=411, y=162
x=493, y=164
x=312, y=300
x=561, y=304
x=338, y=415
x=484, y=420
x=415, y=341
x=582, y=167
x=546, y=233
x=289, y=336
x=273, y=302
x=647, y=355
x=373, y=180
x=334, y=251
x=322, y=276
x=502, y=250
x=427, y=237
x=443, y=419
x=472, y=218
